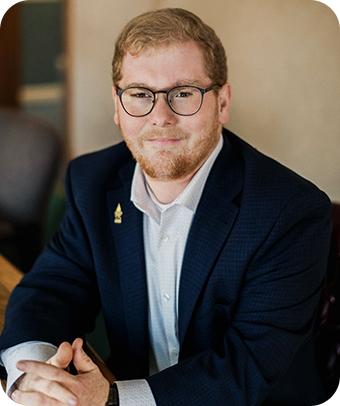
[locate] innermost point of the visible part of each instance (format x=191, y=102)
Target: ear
x=116, y=101
x=224, y=98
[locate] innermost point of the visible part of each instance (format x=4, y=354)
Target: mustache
x=169, y=133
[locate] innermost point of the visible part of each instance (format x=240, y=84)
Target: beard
x=163, y=164
x=174, y=162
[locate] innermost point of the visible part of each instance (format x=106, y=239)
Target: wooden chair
x=10, y=276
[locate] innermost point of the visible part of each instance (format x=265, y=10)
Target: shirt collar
x=143, y=198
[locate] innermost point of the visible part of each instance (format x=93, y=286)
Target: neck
x=167, y=191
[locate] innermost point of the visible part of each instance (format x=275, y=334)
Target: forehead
x=165, y=67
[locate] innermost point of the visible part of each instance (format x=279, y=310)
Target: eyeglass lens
x=182, y=100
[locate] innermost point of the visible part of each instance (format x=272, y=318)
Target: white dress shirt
x=165, y=230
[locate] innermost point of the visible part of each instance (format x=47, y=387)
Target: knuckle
x=48, y=386
x=54, y=374
x=40, y=399
x=30, y=383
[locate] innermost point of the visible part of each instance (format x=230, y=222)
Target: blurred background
x=55, y=62
x=284, y=69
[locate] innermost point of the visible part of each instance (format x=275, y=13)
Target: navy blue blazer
x=253, y=268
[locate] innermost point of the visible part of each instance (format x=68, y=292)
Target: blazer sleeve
x=58, y=299
x=274, y=315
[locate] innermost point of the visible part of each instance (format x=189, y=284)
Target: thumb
x=81, y=360
x=63, y=357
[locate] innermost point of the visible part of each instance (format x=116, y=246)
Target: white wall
x=284, y=63
x=92, y=27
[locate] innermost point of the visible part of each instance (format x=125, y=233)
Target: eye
x=140, y=94
x=182, y=94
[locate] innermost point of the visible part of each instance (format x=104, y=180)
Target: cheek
x=194, y=123
x=207, y=114
x=130, y=127
x=201, y=123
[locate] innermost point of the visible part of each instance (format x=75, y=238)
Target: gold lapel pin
x=118, y=214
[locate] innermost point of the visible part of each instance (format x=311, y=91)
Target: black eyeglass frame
x=167, y=92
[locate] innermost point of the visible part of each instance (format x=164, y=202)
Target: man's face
x=166, y=145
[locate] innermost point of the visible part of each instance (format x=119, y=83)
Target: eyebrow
x=189, y=82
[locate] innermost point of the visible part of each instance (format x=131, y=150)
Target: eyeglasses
x=183, y=100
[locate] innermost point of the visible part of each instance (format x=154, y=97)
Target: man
x=206, y=256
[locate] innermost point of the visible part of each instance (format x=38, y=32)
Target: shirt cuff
x=31, y=350
x=135, y=393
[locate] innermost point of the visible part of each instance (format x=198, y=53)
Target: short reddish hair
x=167, y=26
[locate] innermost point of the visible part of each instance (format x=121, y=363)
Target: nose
x=162, y=115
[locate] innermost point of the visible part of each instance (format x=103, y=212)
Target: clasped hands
x=51, y=384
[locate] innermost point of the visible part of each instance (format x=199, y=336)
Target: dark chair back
x=30, y=153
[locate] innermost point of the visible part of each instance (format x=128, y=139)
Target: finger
x=53, y=390
x=35, y=399
x=63, y=357
x=77, y=344
x=81, y=360
x=43, y=370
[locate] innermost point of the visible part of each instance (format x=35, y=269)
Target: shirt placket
x=168, y=275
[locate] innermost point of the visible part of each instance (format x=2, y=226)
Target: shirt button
x=174, y=352
x=165, y=237
x=166, y=297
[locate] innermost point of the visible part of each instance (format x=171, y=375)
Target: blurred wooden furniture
x=10, y=276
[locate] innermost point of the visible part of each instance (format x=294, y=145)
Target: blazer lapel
x=211, y=226
x=129, y=247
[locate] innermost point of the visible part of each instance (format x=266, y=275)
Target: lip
x=164, y=141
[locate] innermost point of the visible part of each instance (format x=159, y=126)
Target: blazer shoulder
x=113, y=157
x=266, y=180
x=101, y=167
